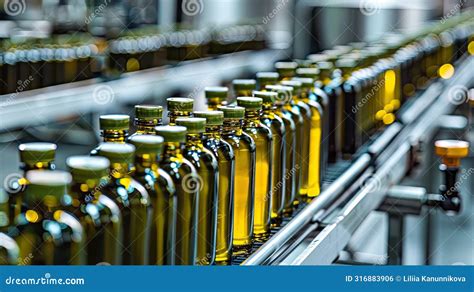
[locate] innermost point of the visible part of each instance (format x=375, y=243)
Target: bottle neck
x=252, y=117
x=268, y=110
x=147, y=127
x=172, y=149
x=232, y=126
x=146, y=161
x=194, y=141
x=115, y=136
x=83, y=190
x=213, y=132
x=119, y=170
x=40, y=165
x=214, y=103
x=173, y=115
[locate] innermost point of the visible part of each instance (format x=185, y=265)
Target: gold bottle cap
x=451, y=151
x=37, y=152
x=114, y=122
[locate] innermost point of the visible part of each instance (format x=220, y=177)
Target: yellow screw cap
x=451, y=151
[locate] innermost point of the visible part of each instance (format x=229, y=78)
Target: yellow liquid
x=275, y=124
x=314, y=173
x=303, y=110
x=263, y=178
x=291, y=170
x=244, y=182
x=187, y=201
x=226, y=159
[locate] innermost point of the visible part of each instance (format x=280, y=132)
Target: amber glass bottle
x=33, y=156
x=277, y=126
x=208, y=173
x=147, y=117
x=179, y=107
x=294, y=131
x=216, y=96
x=186, y=181
x=132, y=199
x=263, y=138
x=244, y=178
x=163, y=198
x=99, y=215
x=226, y=161
x=45, y=232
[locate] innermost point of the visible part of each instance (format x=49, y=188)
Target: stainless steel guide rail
x=386, y=162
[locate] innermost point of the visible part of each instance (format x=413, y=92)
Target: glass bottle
x=286, y=70
x=186, y=181
x=114, y=128
x=277, y=127
x=132, y=199
x=263, y=138
x=9, y=250
x=216, y=96
x=179, y=107
x=33, y=156
x=226, y=162
x=162, y=191
x=46, y=233
x=244, y=150
x=319, y=96
x=208, y=178
x=303, y=110
x=266, y=78
x=99, y=215
x=243, y=87
x=147, y=117
x=294, y=125
x=315, y=138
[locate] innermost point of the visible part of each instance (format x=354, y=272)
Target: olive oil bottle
x=114, y=128
x=45, y=232
x=301, y=109
x=315, y=138
x=186, y=181
x=263, y=138
x=226, y=161
x=179, y=107
x=147, y=117
x=216, y=96
x=243, y=87
x=33, y=156
x=276, y=125
x=244, y=178
x=286, y=70
x=266, y=78
x=162, y=191
x=208, y=179
x=99, y=215
x=294, y=125
x=133, y=200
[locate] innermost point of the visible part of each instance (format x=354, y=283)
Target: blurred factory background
x=66, y=110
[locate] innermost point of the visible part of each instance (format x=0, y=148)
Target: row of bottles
x=207, y=186
x=32, y=64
